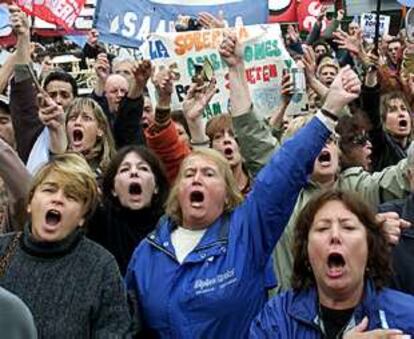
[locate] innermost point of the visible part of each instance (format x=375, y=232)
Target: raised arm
x=309, y=61
x=267, y=208
x=254, y=136
x=162, y=136
x=53, y=117
x=23, y=108
x=17, y=180
x=195, y=102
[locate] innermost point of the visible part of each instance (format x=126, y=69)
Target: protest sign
x=264, y=56
x=128, y=22
x=368, y=21
x=60, y=12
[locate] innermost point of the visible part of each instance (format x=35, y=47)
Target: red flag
x=308, y=11
x=282, y=11
x=60, y=12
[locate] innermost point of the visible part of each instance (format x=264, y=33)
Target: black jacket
x=403, y=253
x=126, y=123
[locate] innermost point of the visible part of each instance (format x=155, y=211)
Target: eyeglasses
x=360, y=139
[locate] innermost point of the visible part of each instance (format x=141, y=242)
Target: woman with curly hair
x=342, y=263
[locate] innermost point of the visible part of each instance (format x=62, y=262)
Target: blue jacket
x=220, y=286
x=295, y=314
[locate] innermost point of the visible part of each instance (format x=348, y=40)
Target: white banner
x=368, y=21
x=265, y=57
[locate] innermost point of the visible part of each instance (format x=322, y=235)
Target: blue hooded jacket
x=295, y=314
x=220, y=287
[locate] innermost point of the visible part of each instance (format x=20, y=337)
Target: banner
x=60, y=12
x=282, y=11
x=264, y=55
x=308, y=12
x=128, y=22
x=368, y=21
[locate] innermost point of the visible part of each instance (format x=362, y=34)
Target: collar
x=304, y=307
x=213, y=243
x=48, y=249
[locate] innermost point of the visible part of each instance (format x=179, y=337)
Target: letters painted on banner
x=129, y=22
x=60, y=12
x=264, y=55
x=368, y=21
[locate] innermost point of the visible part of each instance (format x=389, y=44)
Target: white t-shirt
x=185, y=240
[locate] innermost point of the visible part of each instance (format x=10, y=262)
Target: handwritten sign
x=264, y=54
x=368, y=21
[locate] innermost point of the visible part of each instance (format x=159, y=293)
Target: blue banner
x=128, y=22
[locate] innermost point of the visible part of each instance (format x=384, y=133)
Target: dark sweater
x=120, y=229
x=72, y=287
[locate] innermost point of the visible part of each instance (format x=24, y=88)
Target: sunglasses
x=360, y=139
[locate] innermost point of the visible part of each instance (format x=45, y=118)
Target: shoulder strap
x=9, y=252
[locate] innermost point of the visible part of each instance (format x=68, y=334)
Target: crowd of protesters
x=121, y=218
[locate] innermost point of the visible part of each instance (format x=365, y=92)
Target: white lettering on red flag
x=60, y=12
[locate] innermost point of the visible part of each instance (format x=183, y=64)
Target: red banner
x=59, y=12
x=282, y=11
x=308, y=12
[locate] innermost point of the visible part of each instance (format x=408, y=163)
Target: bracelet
x=330, y=115
x=200, y=143
x=162, y=115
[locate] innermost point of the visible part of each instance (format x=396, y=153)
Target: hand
x=93, y=36
x=350, y=43
x=345, y=88
x=230, y=50
x=51, y=114
x=293, y=34
x=392, y=226
x=358, y=332
x=163, y=82
x=209, y=21
x=197, y=99
x=142, y=71
x=340, y=15
x=309, y=61
x=102, y=67
x=18, y=21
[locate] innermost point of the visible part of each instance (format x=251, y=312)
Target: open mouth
x=135, y=189
x=324, y=157
x=77, y=135
x=336, y=265
x=53, y=217
x=196, y=198
x=228, y=151
x=403, y=123
x=144, y=124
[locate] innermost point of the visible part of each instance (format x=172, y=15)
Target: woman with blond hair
x=202, y=272
x=71, y=285
x=82, y=128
